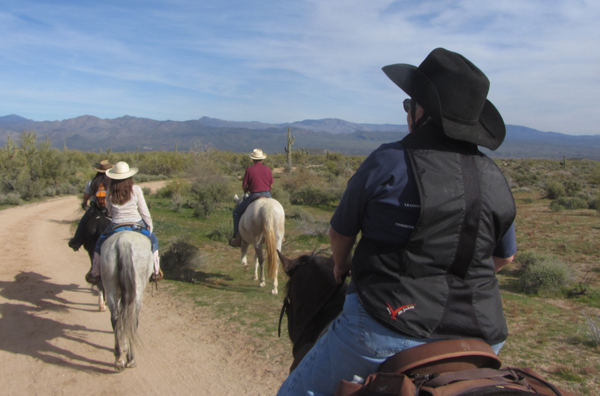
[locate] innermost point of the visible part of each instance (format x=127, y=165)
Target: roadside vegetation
x=551, y=291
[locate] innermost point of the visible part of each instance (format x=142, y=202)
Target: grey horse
x=126, y=266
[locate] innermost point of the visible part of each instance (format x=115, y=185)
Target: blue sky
x=281, y=61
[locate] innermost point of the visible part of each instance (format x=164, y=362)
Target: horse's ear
x=288, y=265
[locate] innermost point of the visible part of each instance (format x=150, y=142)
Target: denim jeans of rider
x=355, y=344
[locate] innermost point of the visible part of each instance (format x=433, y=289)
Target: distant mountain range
x=89, y=133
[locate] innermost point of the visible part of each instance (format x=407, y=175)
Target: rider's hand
x=84, y=205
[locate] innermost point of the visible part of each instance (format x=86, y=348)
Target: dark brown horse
x=313, y=299
x=92, y=230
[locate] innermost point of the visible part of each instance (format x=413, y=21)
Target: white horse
x=126, y=265
x=263, y=221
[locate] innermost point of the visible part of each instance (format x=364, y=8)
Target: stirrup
x=91, y=279
x=154, y=278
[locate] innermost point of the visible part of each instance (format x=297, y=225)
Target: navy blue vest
x=442, y=282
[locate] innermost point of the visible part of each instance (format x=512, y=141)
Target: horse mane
x=314, y=300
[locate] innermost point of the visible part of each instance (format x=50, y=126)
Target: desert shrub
x=554, y=189
x=594, y=202
x=11, y=199
x=67, y=189
x=203, y=209
x=49, y=192
x=173, y=188
x=176, y=203
x=591, y=329
x=571, y=203
x=164, y=163
x=308, y=225
x=142, y=177
x=221, y=233
x=316, y=195
x=181, y=261
x=594, y=176
x=282, y=196
x=555, y=206
x=572, y=187
x=545, y=275
x=528, y=258
x=210, y=187
x=291, y=182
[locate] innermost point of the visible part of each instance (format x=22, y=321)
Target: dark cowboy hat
x=453, y=92
x=103, y=166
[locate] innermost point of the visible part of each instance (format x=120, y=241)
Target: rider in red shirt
x=258, y=181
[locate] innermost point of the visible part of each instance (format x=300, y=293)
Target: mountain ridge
x=127, y=133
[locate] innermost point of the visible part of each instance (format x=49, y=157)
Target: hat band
x=459, y=120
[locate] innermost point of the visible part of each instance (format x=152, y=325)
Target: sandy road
x=53, y=340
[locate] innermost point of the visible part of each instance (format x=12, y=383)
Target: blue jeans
x=239, y=210
x=355, y=344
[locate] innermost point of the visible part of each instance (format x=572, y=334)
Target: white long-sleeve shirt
x=131, y=211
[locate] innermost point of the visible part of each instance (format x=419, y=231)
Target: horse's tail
x=270, y=242
x=127, y=322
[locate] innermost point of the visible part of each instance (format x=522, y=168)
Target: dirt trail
x=53, y=340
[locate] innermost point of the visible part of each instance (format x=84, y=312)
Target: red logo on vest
x=395, y=312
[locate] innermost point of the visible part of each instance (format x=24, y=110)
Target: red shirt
x=258, y=178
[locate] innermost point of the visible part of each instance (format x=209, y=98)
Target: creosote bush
x=308, y=225
x=554, y=189
x=221, y=233
x=181, y=261
x=591, y=329
x=543, y=275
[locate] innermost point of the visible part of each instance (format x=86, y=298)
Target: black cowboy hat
x=453, y=92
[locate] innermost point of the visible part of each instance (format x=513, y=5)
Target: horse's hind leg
x=259, y=260
x=119, y=344
x=101, y=299
x=130, y=358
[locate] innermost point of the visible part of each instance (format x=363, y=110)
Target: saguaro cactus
x=288, y=149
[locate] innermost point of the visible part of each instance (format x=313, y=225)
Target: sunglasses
x=406, y=104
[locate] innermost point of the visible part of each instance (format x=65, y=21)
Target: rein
x=287, y=303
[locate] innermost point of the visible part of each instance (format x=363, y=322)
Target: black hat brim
x=489, y=132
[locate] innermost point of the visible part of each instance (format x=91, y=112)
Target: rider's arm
x=501, y=262
x=84, y=202
x=143, y=207
x=341, y=247
x=505, y=250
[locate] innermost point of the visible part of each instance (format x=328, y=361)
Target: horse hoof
x=262, y=284
x=274, y=292
x=102, y=308
x=120, y=365
x=255, y=278
x=130, y=364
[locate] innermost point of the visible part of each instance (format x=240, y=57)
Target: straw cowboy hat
x=258, y=154
x=453, y=92
x=102, y=166
x=121, y=171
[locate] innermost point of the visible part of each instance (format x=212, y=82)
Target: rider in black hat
x=436, y=222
